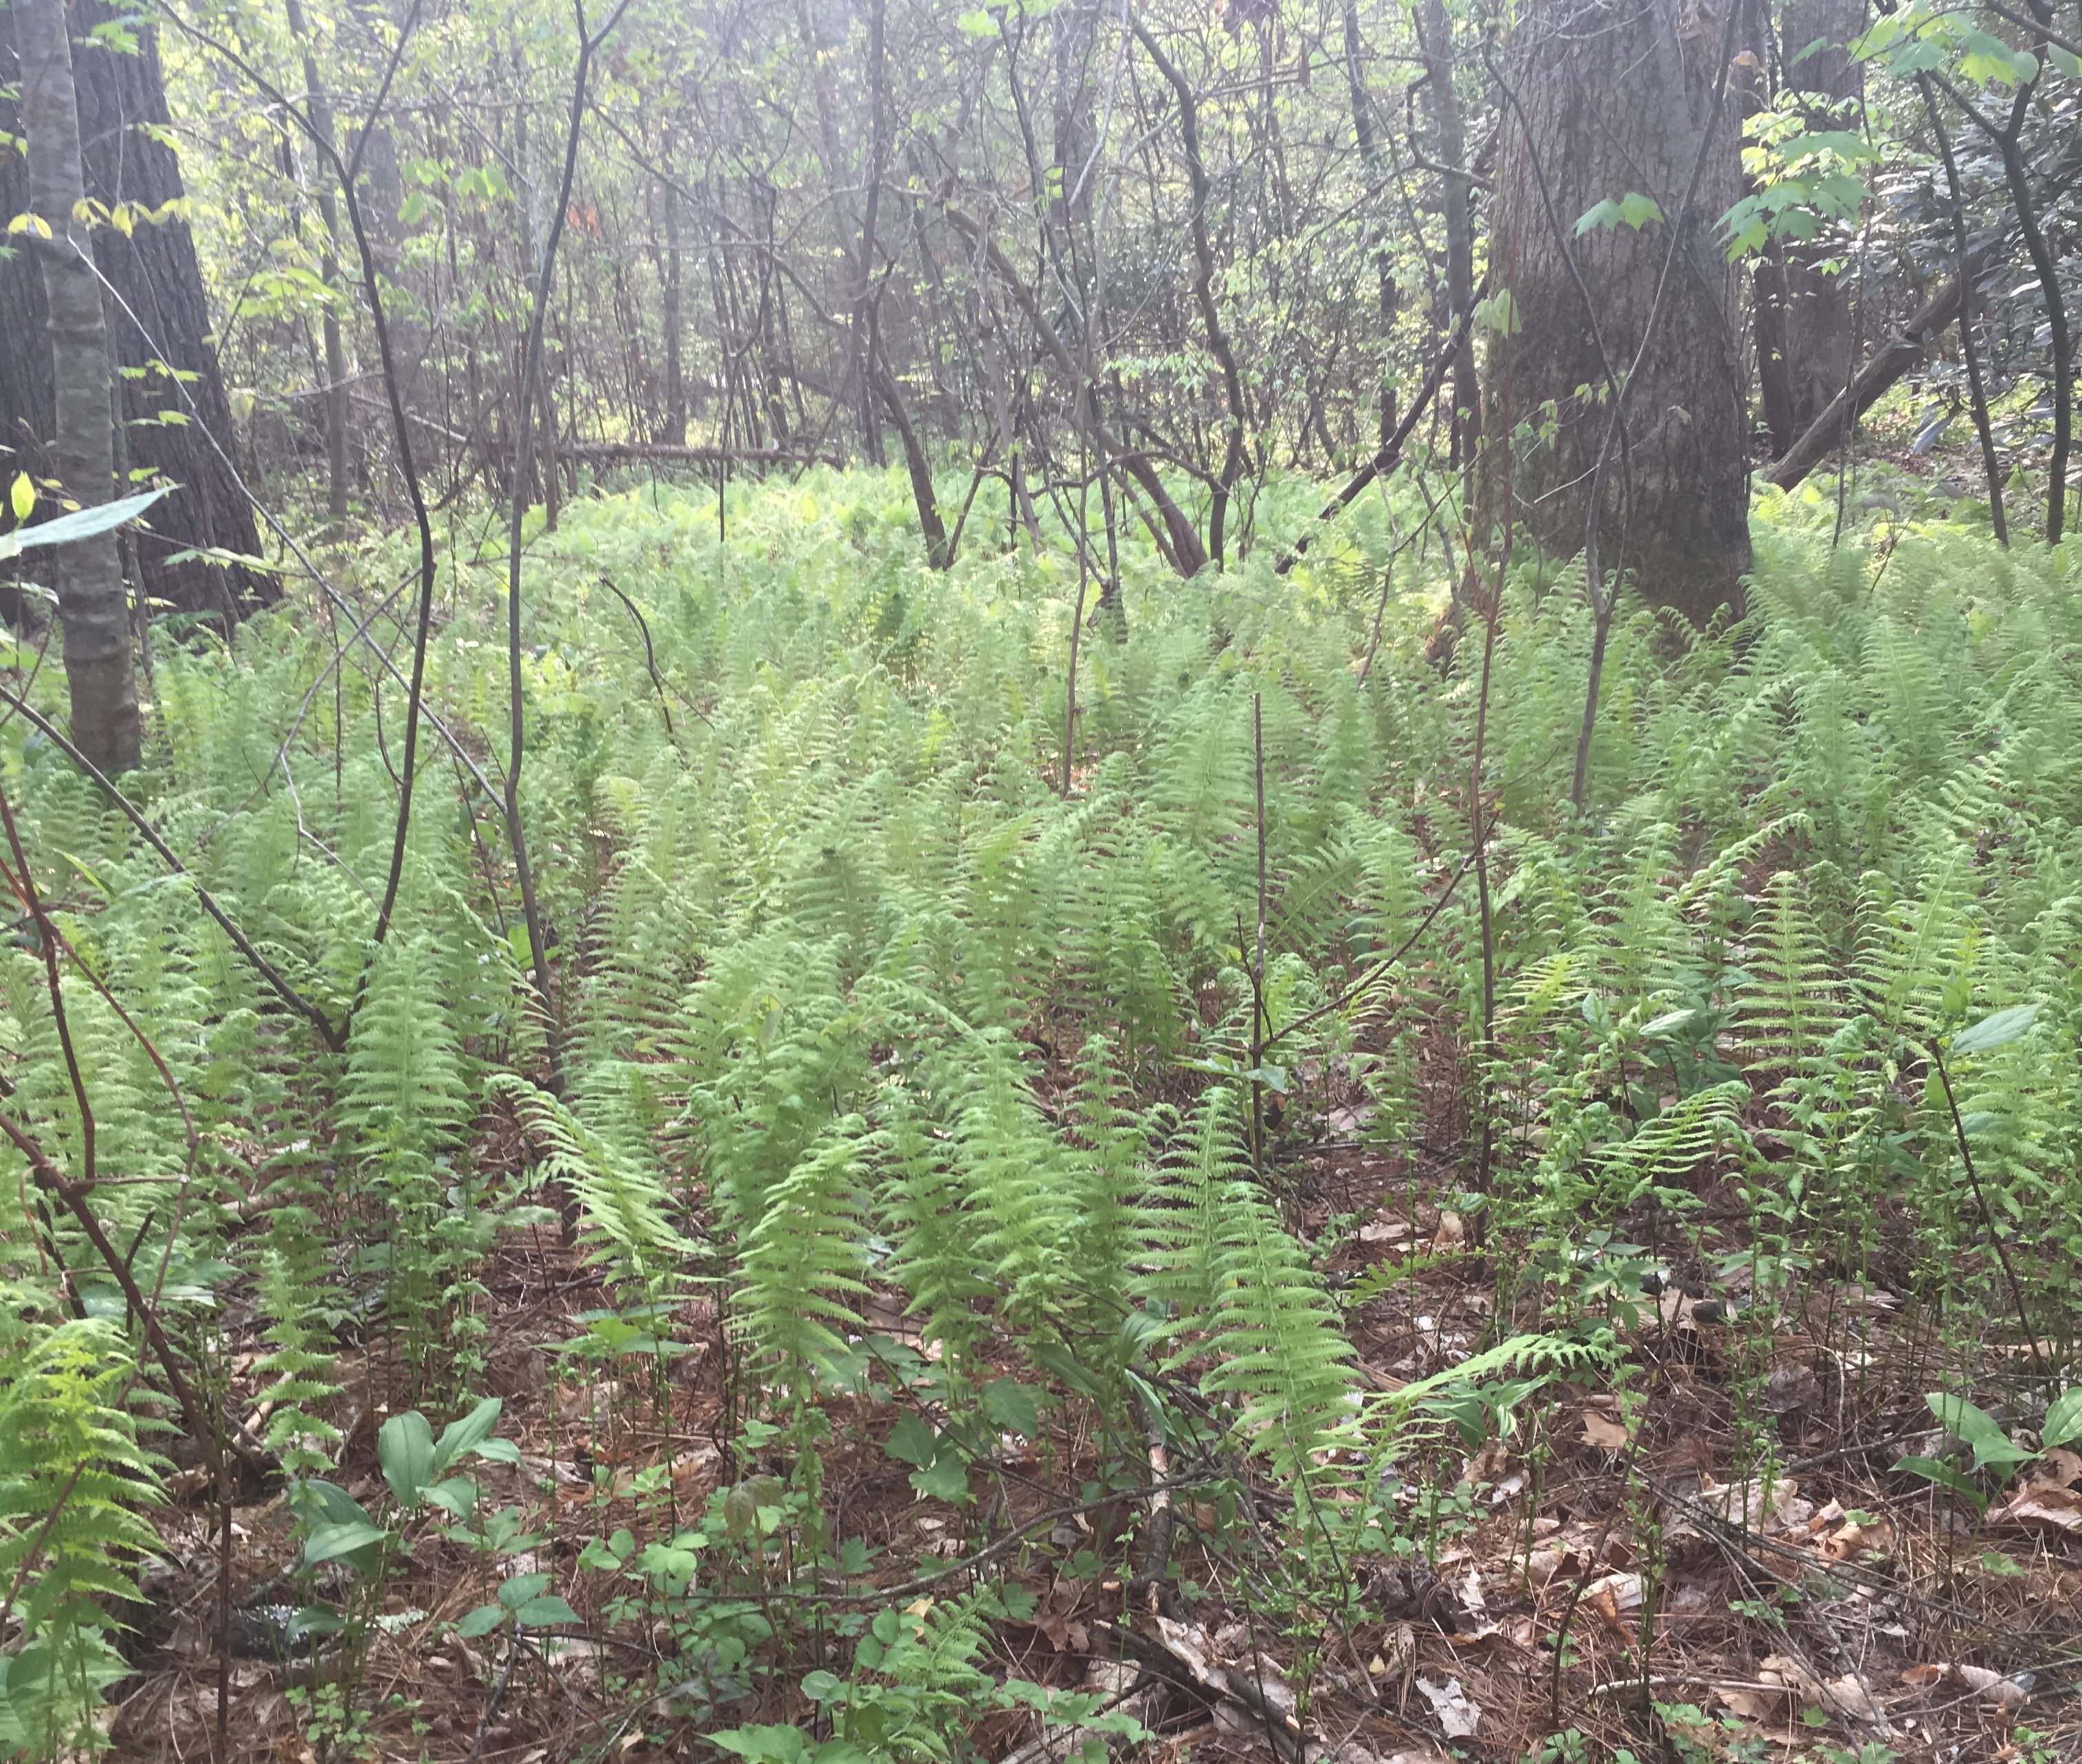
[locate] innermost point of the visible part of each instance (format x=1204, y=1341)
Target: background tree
x=91, y=602
x=176, y=420
x=1806, y=346
x=1618, y=159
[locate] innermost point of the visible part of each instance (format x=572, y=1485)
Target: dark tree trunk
x=1606, y=99
x=1804, y=347
x=92, y=605
x=121, y=107
x=1449, y=144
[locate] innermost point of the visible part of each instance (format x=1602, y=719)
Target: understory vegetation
x=1470, y=1274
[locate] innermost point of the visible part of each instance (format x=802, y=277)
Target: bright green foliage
x=858, y=1008
x=72, y=1481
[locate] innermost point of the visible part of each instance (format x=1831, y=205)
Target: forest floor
x=917, y=1085
x=1615, y=1566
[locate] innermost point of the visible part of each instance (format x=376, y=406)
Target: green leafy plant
x=1991, y=1443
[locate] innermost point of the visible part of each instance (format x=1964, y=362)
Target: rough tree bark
x=121, y=110
x=1608, y=99
x=91, y=603
x=1805, y=350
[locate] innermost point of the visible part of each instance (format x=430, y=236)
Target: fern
x=799, y=1269
x=73, y=1478
x=625, y=1214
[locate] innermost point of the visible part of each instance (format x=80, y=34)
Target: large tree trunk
x=1608, y=99
x=121, y=110
x=1804, y=348
x=91, y=602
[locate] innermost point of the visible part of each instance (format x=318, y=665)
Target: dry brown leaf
x=1991, y=1686
x=1605, y=1432
x=1488, y=1464
x=1790, y=1389
x=1771, y=1504
x=1612, y=1595
x=1759, y=1705
x=1457, y=1714
x=1782, y=1669
x=2060, y=1466
x=2042, y=1504
x=1840, y=1545
x=1854, y=1697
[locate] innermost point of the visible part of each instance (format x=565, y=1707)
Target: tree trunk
x=1449, y=145
x=675, y=431
x=120, y=107
x=337, y=416
x=1804, y=348
x=1375, y=165
x=1608, y=99
x=91, y=602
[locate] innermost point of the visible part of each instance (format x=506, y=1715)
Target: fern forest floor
x=978, y=1273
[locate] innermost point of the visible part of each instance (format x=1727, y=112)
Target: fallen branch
x=613, y=453
x=1905, y=349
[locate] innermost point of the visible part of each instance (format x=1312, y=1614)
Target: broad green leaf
x=2063, y=1420
x=1498, y=313
x=740, y=1510
x=539, y=1613
x=945, y=1479
x=81, y=524
x=763, y=1745
x=457, y=1495
x=1638, y=210
x=480, y=1622
x=404, y=1449
x=314, y=1620
x=913, y=1441
x=1993, y=1031
x=1598, y=215
x=1991, y=1446
x=22, y=496
x=1066, y=1366
x=318, y=1502
x=1987, y=57
x=467, y=1434
x=330, y=1542
x=1945, y=1476
x=1010, y=1405
x=522, y=1587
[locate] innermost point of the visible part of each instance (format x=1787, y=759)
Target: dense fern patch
x=863, y=1020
